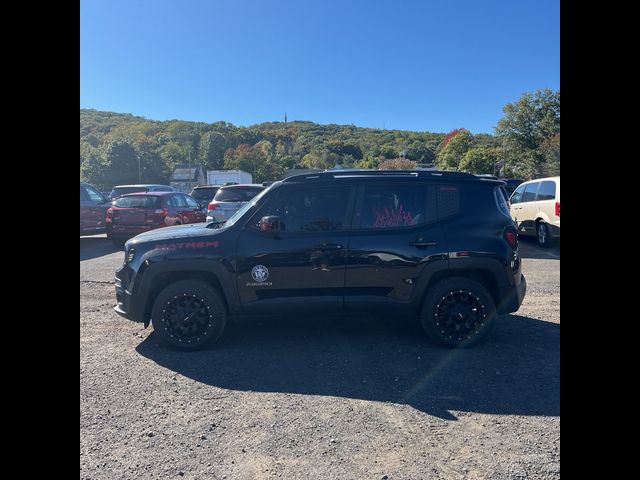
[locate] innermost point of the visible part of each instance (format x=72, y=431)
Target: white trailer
x=220, y=177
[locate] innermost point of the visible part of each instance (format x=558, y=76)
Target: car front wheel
x=188, y=314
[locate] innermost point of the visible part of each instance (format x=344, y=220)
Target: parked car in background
x=93, y=210
x=204, y=194
x=120, y=190
x=535, y=206
x=512, y=184
x=135, y=213
x=229, y=199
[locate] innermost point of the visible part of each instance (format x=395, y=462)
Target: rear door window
x=190, y=201
x=547, y=190
x=530, y=190
x=179, y=201
x=392, y=206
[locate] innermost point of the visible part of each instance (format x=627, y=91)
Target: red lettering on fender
x=174, y=246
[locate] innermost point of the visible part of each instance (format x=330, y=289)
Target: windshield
x=236, y=216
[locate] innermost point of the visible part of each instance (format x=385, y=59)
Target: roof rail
x=378, y=173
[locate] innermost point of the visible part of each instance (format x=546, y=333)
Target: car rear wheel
x=188, y=314
x=543, y=234
x=458, y=312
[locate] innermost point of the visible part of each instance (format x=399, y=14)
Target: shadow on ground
x=93, y=247
x=529, y=248
x=515, y=371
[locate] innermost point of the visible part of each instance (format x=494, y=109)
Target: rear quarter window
x=547, y=191
x=447, y=201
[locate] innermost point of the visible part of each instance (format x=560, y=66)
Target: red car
x=140, y=212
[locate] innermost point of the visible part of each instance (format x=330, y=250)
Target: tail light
x=557, y=209
x=212, y=206
x=161, y=213
x=511, y=237
x=109, y=214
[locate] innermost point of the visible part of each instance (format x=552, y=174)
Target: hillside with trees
x=113, y=146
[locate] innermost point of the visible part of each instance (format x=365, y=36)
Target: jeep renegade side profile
x=440, y=246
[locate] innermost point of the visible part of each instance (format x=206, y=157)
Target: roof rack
x=378, y=173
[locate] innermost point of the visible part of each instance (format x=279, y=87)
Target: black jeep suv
x=439, y=246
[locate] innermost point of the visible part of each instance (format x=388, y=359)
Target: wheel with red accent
x=458, y=312
x=188, y=314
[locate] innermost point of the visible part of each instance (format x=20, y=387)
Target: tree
x=450, y=156
x=369, y=162
x=550, y=150
x=212, y=148
x=397, y=164
x=526, y=130
x=478, y=160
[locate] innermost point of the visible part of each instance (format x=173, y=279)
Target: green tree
x=526, y=131
x=449, y=157
x=397, y=164
x=550, y=150
x=212, y=148
x=478, y=160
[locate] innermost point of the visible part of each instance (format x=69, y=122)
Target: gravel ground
x=351, y=398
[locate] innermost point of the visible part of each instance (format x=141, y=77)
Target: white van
x=535, y=206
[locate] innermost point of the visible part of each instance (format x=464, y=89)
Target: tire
x=473, y=315
x=201, y=304
x=543, y=235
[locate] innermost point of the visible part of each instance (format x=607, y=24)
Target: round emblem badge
x=260, y=273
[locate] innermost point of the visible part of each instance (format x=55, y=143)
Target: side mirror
x=270, y=224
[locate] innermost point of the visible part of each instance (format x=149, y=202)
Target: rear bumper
x=514, y=299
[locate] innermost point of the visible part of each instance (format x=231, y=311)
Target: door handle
x=420, y=243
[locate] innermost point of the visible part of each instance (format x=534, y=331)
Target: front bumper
x=128, y=305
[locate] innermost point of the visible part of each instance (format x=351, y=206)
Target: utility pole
x=189, y=170
x=139, y=172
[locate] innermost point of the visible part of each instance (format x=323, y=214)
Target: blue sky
x=402, y=64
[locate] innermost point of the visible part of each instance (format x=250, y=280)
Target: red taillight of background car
x=161, y=213
x=109, y=215
x=212, y=206
x=511, y=237
x=557, y=209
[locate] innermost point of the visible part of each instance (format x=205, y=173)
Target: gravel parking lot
x=328, y=398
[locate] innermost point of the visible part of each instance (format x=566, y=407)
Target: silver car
x=229, y=199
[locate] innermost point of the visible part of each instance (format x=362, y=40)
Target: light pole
x=139, y=171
